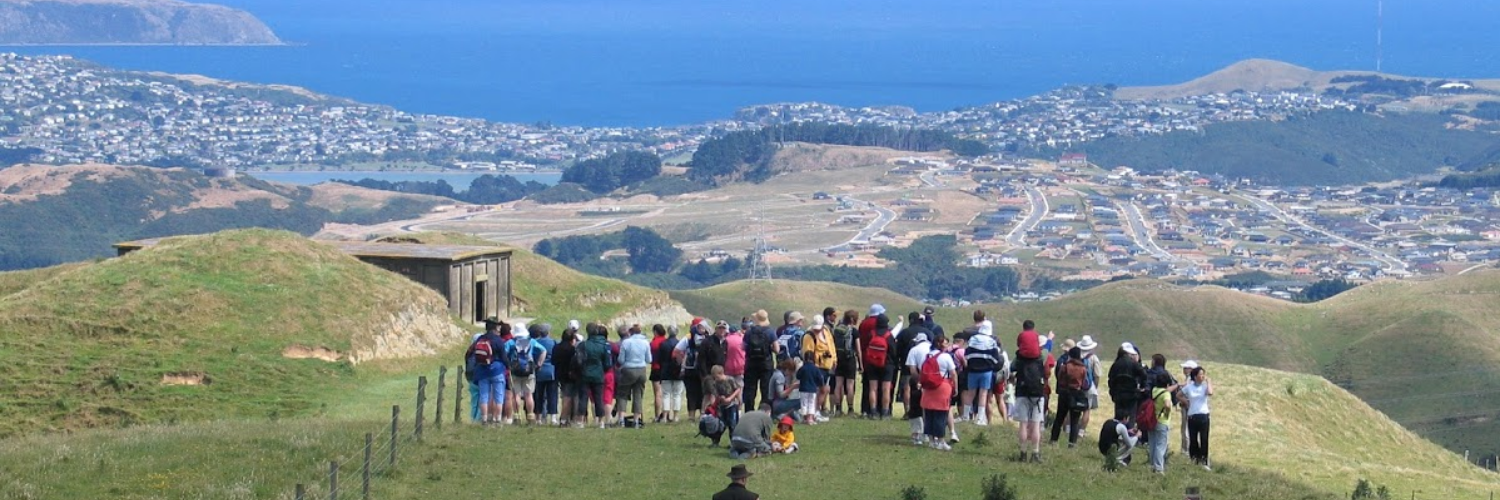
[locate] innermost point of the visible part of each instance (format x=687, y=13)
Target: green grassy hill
x=201, y=328
x=1277, y=436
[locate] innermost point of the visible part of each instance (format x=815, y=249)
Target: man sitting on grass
x=1117, y=439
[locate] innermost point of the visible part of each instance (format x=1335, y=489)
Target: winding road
x=1142, y=233
x=884, y=218
x=1039, y=210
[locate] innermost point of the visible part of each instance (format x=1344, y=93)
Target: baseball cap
x=1190, y=364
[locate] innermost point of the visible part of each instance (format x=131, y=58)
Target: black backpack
x=580, y=360
x=1030, y=377
x=759, y=347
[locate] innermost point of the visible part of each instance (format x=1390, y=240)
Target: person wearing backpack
x=546, y=375
x=483, y=360
x=671, y=376
x=522, y=359
x=846, y=366
x=879, y=364
x=1072, y=396
x=1030, y=376
x=935, y=379
x=760, y=357
x=1117, y=439
x=866, y=330
x=1161, y=398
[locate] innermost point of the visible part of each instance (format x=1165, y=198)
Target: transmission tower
x=760, y=270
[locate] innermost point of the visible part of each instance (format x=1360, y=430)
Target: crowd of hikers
x=756, y=382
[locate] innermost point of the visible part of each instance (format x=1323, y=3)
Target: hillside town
x=75, y=111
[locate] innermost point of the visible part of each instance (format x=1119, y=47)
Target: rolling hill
x=230, y=325
x=51, y=214
x=156, y=22
x=1262, y=75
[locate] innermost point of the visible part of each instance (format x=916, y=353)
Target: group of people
x=756, y=381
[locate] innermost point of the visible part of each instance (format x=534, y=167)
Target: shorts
x=809, y=403
x=827, y=377
x=656, y=375
x=981, y=381
x=491, y=390
x=523, y=386
x=881, y=374
x=1029, y=410
x=846, y=369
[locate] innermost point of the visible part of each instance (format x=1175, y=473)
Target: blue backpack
x=521, y=365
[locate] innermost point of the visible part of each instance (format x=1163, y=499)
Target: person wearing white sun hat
x=1187, y=374
x=1090, y=349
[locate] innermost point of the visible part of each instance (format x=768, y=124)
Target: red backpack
x=932, y=373
x=1145, y=415
x=875, y=353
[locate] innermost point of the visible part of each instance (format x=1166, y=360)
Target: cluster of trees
x=648, y=252
x=747, y=154
x=1487, y=110
x=1489, y=177
x=485, y=190
x=1324, y=289
x=1379, y=85
x=602, y=175
x=1325, y=148
x=13, y=156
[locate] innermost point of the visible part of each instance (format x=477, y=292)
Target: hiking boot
x=1036, y=457
x=1023, y=458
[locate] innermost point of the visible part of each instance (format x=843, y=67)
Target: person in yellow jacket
x=783, y=441
x=818, y=345
x=1161, y=393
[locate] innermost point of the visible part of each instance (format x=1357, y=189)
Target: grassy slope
x=731, y=301
x=89, y=347
x=1266, y=422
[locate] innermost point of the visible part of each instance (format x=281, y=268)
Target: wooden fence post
x=421, y=403
x=300, y=493
x=395, y=438
x=369, y=450
x=458, y=396
x=437, y=413
x=333, y=480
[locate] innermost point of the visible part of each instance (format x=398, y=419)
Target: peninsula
x=128, y=22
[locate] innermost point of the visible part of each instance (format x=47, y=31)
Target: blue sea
x=668, y=62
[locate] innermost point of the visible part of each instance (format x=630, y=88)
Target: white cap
x=1130, y=348
x=573, y=324
x=1189, y=364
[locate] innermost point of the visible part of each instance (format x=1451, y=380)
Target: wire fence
x=352, y=473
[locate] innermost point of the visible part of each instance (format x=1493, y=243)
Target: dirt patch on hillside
x=227, y=196
x=297, y=351
x=27, y=182
x=185, y=378
x=338, y=197
x=957, y=207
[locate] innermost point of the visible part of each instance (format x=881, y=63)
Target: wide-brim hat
x=1189, y=364
x=1088, y=343
x=739, y=472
